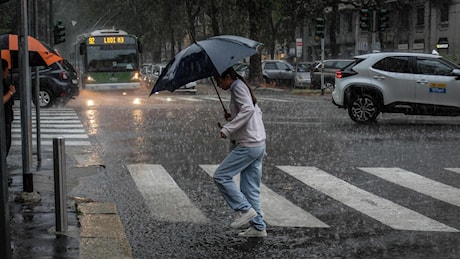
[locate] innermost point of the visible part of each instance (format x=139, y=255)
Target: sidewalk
x=94, y=229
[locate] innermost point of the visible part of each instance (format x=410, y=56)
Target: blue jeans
x=248, y=162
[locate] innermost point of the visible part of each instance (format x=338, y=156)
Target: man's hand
x=227, y=116
x=223, y=135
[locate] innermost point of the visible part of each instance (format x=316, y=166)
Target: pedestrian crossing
x=169, y=203
x=56, y=122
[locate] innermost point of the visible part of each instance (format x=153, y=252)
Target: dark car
x=330, y=67
x=58, y=84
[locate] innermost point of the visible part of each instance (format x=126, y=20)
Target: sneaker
x=252, y=232
x=244, y=218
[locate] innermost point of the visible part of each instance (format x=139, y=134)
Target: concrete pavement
x=94, y=229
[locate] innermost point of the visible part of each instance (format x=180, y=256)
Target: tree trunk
x=255, y=33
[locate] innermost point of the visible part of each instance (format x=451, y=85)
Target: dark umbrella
x=40, y=54
x=204, y=59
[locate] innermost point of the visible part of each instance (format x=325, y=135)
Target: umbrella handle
x=220, y=99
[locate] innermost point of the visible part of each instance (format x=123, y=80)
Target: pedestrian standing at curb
x=8, y=91
x=246, y=131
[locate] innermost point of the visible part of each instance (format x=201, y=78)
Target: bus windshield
x=102, y=58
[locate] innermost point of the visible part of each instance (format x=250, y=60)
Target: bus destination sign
x=106, y=40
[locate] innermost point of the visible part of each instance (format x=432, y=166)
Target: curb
x=102, y=234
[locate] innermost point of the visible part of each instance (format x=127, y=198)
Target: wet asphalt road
x=181, y=134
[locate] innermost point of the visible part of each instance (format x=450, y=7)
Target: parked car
x=278, y=71
x=156, y=72
x=330, y=67
x=58, y=84
x=302, y=78
x=409, y=83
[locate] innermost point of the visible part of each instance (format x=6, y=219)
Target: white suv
x=409, y=83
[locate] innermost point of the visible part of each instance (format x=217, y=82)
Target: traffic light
x=364, y=19
x=59, y=32
x=382, y=19
x=319, y=27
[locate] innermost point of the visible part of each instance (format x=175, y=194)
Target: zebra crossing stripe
x=48, y=130
x=277, y=210
x=166, y=200
x=52, y=117
x=57, y=126
x=51, y=136
x=53, y=123
x=383, y=210
x=417, y=183
x=457, y=170
x=50, y=142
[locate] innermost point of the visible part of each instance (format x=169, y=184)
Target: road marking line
x=457, y=170
x=217, y=99
x=190, y=99
x=278, y=211
x=274, y=99
x=383, y=210
x=417, y=183
x=165, y=199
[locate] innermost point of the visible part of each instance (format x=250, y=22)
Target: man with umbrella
x=247, y=132
x=215, y=57
x=8, y=91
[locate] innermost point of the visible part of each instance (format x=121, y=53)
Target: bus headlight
x=90, y=79
x=135, y=76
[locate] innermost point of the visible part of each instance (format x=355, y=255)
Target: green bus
x=109, y=60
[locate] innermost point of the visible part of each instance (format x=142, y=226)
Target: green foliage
x=8, y=19
x=453, y=57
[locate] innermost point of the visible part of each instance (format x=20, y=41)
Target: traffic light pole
x=322, y=66
x=51, y=19
x=374, y=29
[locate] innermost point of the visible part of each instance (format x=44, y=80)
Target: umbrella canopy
x=204, y=59
x=40, y=54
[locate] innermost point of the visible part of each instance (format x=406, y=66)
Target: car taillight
x=344, y=73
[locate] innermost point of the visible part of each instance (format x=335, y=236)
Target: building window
x=444, y=13
x=349, y=23
x=420, y=16
x=404, y=23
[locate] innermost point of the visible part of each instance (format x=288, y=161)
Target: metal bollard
x=60, y=189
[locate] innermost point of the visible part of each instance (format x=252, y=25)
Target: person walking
x=246, y=130
x=8, y=91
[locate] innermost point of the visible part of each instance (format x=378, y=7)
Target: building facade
x=420, y=26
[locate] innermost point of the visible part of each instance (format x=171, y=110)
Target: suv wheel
x=45, y=98
x=363, y=109
x=329, y=85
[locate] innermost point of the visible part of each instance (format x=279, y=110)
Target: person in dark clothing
x=8, y=91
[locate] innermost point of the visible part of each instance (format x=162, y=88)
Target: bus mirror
x=139, y=46
x=82, y=49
